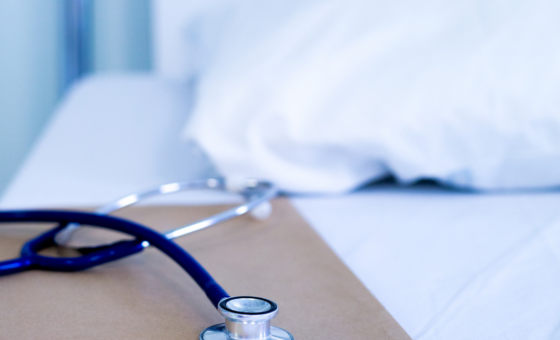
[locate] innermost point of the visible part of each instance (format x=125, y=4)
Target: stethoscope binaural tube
x=30, y=259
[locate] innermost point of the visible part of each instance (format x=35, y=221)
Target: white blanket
x=322, y=96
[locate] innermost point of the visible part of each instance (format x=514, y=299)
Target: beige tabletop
x=148, y=296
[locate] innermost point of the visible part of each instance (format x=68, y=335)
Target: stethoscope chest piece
x=247, y=318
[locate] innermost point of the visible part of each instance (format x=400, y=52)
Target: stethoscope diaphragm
x=247, y=318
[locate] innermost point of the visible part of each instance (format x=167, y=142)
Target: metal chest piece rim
x=247, y=318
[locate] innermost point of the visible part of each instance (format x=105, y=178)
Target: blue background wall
x=122, y=35
x=29, y=57
x=31, y=41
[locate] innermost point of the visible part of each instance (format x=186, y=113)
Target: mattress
x=446, y=264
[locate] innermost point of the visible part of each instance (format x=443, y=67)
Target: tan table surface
x=147, y=296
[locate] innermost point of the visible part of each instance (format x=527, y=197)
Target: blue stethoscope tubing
x=30, y=259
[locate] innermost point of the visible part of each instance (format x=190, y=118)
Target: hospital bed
x=446, y=264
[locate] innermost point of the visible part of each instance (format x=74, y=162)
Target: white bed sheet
x=451, y=265
x=447, y=265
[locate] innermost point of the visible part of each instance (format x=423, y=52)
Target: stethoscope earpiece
x=247, y=318
x=262, y=211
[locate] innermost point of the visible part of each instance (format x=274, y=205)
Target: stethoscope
x=246, y=317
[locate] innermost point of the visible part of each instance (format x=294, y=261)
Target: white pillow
x=322, y=96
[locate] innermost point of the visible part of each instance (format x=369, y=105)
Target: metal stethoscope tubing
x=257, y=194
